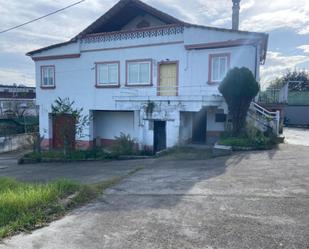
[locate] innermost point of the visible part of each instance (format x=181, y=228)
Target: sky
x=286, y=21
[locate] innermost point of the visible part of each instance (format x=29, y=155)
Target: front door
x=199, y=127
x=159, y=132
x=63, y=131
x=168, y=77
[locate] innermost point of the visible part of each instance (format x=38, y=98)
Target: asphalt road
x=249, y=200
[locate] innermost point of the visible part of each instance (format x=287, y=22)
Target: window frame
x=43, y=86
x=139, y=61
x=210, y=69
x=109, y=85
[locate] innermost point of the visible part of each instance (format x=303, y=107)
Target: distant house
x=142, y=72
x=17, y=101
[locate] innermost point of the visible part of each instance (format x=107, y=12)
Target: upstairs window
x=48, y=76
x=107, y=74
x=219, y=65
x=139, y=72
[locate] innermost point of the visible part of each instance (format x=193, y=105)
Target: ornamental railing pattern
x=136, y=34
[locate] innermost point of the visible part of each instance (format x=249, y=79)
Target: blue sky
x=287, y=22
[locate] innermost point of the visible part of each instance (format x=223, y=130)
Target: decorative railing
x=134, y=34
x=264, y=118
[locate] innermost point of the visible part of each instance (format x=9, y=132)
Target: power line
x=39, y=18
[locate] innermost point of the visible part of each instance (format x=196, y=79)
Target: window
x=47, y=76
x=107, y=74
x=139, y=72
x=219, y=65
x=220, y=118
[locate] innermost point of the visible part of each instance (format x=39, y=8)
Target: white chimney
x=235, y=17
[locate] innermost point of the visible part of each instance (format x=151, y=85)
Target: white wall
x=212, y=125
x=108, y=125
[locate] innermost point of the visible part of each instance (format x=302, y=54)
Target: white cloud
x=277, y=64
x=275, y=14
x=305, y=48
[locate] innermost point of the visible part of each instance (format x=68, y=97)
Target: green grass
x=26, y=206
x=259, y=143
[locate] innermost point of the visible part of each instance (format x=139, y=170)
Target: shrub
x=238, y=88
x=124, y=145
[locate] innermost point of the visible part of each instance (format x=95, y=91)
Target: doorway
x=199, y=127
x=168, y=79
x=64, y=126
x=159, y=136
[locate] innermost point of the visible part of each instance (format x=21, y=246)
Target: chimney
x=235, y=18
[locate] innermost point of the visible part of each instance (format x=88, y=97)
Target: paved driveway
x=297, y=136
x=249, y=200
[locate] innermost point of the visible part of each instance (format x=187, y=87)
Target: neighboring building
x=142, y=72
x=297, y=109
x=17, y=100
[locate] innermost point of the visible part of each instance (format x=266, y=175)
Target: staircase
x=263, y=119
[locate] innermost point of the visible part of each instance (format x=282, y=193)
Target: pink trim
x=135, y=46
x=97, y=85
x=132, y=30
x=177, y=75
x=56, y=57
x=151, y=72
x=48, y=87
x=211, y=56
x=223, y=44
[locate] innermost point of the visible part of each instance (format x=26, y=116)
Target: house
x=17, y=100
x=142, y=72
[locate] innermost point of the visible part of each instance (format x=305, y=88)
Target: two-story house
x=142, y=72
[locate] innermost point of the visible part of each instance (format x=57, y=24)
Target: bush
x=125, y=145
x=238, y=88
x=253, y=138
x=96, y=154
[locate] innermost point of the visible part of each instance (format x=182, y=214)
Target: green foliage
x=124, y=145
x=253, y=138
x=239, y=88
x=301, y=76
x=96, y=154
x=66, y=106
x=23, y=205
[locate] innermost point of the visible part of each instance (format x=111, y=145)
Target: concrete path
x=296, y=136
x=250, y=200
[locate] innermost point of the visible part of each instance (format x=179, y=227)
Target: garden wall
x=15, y=142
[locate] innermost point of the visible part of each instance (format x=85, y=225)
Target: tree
x=239, y=88
x=66, y=107
x=300, y=79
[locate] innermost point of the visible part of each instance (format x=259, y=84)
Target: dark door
x=63, y=131
x=199, y=127
x=159, y=130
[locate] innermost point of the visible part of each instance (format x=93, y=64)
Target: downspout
x=256, y=61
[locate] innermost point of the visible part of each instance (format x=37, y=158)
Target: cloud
x=305, y=48
x=276, y=14
x=277, y=64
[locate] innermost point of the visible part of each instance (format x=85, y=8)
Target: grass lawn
x=26, y=206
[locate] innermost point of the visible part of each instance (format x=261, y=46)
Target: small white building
x=142, y=72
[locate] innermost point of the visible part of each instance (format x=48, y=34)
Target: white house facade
x=139, y=71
